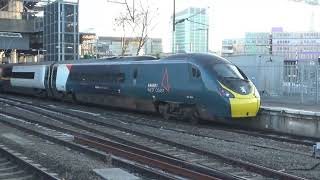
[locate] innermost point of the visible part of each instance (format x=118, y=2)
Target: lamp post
x=173, y=24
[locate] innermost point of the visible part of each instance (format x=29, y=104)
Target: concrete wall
x=13, y=11
x=296, y=122
x=14, y=25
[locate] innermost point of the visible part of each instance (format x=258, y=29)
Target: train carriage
x=185, y=86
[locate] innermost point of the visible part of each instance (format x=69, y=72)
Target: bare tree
x=121, y=22
x=137, y=21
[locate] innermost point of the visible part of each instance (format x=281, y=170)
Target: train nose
x=244, y=107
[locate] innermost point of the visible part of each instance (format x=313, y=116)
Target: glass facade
x=61, y=31
x=191, y=35
x=257, y=43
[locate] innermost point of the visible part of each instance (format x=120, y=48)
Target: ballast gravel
x=298, y=162
x=68, y=164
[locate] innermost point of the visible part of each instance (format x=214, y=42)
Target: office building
x=61, y=31
x=293, y=46
x=191, y=30
x=233, y=47
x=296, y=46
x=153, y=46
x=257, y=43
x=114, y=46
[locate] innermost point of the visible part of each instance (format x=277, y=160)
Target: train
x=192, y=86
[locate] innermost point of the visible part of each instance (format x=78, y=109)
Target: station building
x=20, y=31
x=34, y=30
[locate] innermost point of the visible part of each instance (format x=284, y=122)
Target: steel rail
x=93, y=153
x=150, y=158
x=25, y=165
x=247, y=165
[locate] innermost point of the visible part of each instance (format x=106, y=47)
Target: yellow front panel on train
x=244, y=107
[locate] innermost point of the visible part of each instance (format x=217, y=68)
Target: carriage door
x=195, y=84
x=53, y=79
x=49, y=79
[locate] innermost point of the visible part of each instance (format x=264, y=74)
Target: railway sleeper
x=12, y=168
x=15, y=174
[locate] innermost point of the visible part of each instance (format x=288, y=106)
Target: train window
x=23, y=75
x=195, y=73
x=227, y=71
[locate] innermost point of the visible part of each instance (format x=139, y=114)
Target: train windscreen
x=228, y=71
x=232, y=77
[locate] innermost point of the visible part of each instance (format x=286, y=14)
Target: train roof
x=111, y=59
x=85, y=61
x=201, y=58
x=197, y=58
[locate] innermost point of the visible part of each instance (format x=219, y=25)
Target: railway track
x=277, y=136
x=307, y=141
x=235, y=168
x=14, y=166
x=280, y=137
x=167, y=167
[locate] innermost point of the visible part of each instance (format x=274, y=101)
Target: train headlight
x=225, y=93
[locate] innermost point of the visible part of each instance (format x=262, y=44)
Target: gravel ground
x=67, y=163
x=278, y=160
x=202, y=130
x=298, y=164
x=153, y=120
x=44, y=130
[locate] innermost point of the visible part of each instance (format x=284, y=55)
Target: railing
x=293, y=83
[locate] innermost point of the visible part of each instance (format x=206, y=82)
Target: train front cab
x=242, y=106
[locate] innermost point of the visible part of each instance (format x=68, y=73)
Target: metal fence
x=296, y=83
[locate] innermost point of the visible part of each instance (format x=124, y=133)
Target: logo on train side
x=160, y=88
x=69, y=66
x=165, y=80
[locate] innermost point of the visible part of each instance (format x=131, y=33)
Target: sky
x=227, y=18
